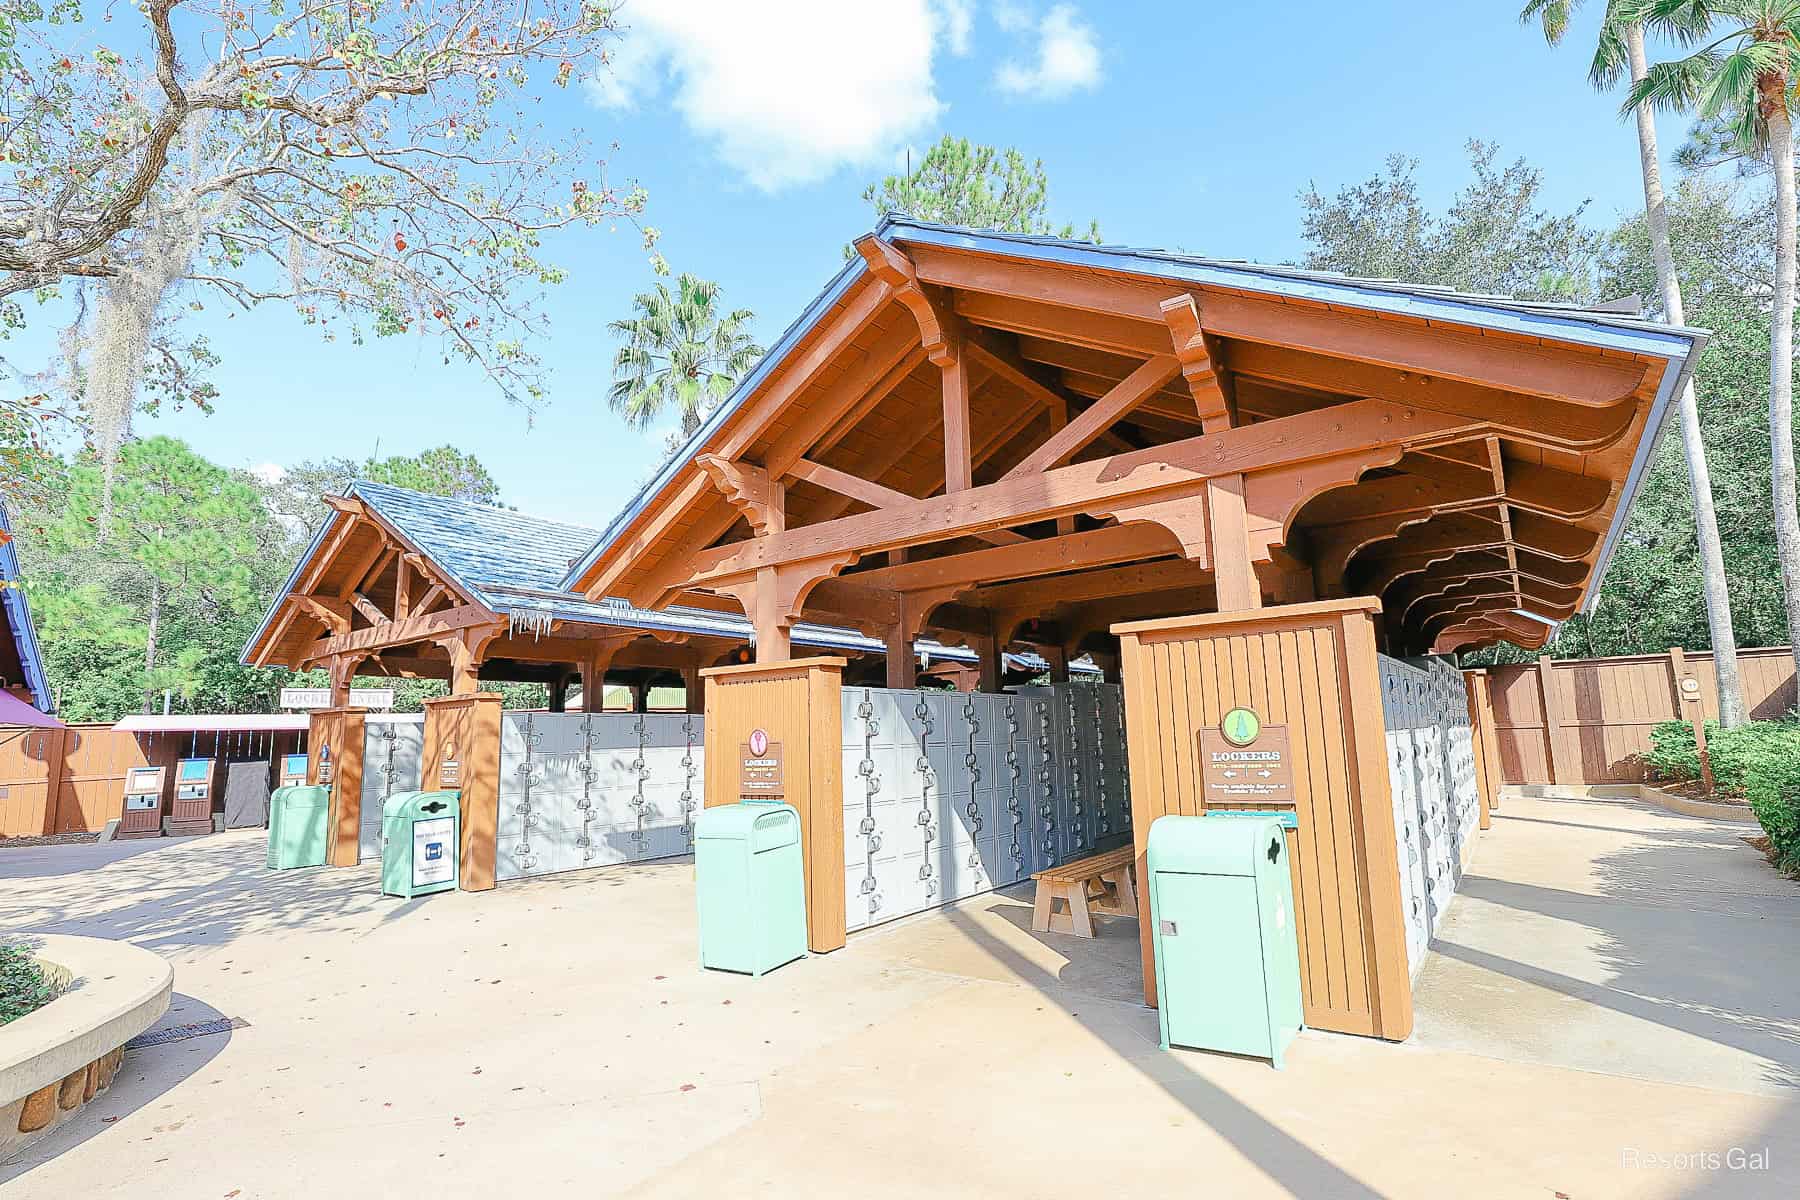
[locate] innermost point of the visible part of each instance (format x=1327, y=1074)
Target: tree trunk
x=1706, y=519
x=1781, y=364
x=156, y=603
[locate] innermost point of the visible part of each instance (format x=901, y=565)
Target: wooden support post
x=1311, y=668
x=462, y=751
x=466, y=648
x=1555, y=755
x=559, y=690
x=343, y=670
x=799, y=705
x=693, y=690
x=902, y=660
x=1234, y=576
x=1689, y=708
x=341, y=731
x=1486, y=773
x=1058, y=658
x=640, y=695
x=990, y=650
x=959, y=470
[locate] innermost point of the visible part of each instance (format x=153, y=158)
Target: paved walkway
x=1610, y=1006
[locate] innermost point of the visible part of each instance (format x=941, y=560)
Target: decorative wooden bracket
x=334, y=613
x=896, y=270
x=750, y=490
x=1184, y=517
x=466, y=648
x=1198, y=366
x=773, y=598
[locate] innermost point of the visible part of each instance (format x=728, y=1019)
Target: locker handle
x=1167, y=928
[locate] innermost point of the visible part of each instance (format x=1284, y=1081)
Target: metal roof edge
x=765, y=366
x=1673, y=381
x=1588, y=328
x=18, y=615
x=287, y=588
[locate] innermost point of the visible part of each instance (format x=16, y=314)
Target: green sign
x=1241, y=726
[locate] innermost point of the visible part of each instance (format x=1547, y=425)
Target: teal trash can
x=1222, y=920
x=419, y=841
x=751, y=885
x=298, y=819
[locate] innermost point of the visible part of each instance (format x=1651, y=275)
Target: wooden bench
x=1101, y=884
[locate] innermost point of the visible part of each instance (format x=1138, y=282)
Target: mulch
x=55, y=839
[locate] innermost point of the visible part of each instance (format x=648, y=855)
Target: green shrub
x=1772, y=785
x=1735, y=753
x=23, y=985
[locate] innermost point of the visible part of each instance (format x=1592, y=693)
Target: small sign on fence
x=297, y=697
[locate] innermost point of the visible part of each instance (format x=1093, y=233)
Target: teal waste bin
x=1222, y=920
x=298, y=817
x=751, y=885
x=419, y=840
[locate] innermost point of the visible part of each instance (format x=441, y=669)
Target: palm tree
x=1620, y=50
x=1746, y=75
x=680, y=353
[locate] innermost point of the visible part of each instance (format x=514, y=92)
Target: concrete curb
x=1681, y=805
x=54, y=1060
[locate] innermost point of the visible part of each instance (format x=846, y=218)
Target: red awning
x=14, y=711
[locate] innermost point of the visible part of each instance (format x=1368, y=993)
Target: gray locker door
x=580, y=790
x=391, y=750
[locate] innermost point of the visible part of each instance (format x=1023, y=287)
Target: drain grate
x=181, y=1033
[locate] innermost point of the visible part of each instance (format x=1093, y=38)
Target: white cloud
x=1067, y=58
x=788, y=93
x=270, y=473
x=958, y=17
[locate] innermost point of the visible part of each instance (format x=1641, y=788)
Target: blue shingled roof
x=514, y=564
x=18, y=623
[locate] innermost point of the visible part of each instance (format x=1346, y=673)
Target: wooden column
x=640, y=695
x=1486, y=774
x=559, y=690
x=1058, y=658
x=799, y=705
x=343, y=731
x=1561, y=771
x=1689, y=708
x=989, y=649
x=1311, y=668
x=466, y=648
x=343, y=670
x=593, y=678
x=902, y=661
x=465, y=730
x=1234, y=575
x=959, y=471
x=1490, y=738
x=693, y=690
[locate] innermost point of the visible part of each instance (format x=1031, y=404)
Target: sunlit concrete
x=556, y=1035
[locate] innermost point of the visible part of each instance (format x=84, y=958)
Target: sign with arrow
x=1246, y=764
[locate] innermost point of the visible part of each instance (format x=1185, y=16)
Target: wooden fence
x=1586, y=721
x=71, y=780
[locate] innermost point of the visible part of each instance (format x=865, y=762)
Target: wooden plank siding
x=1591, y=722
x=72, y=780
x=1312, y=668
x=799, y=704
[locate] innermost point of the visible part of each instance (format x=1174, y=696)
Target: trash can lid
x=1207, y=846
x=420, y=804
x=741, y=822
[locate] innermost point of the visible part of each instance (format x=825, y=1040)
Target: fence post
x=1688, y=706
x=1484, y=777
x=1553, y=720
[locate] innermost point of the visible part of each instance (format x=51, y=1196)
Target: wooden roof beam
x=1098, y=417
x=1163, y=473
x=424, y=627
x=875, y=495
x=1521, y=365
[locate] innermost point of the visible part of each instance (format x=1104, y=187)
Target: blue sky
x=756, y=127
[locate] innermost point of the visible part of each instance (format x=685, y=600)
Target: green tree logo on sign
x=1240, y=726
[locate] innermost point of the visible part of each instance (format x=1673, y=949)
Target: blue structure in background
x=21, y=662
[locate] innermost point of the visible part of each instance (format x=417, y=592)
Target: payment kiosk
x=193, y=807
x=141, y=814
x=293, y=771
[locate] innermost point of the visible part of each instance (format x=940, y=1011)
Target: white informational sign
x=434, y=851
x=295, y=697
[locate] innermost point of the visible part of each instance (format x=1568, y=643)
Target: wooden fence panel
x=1594, y=716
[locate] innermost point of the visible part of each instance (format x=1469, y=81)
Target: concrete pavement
x=1609, y=1009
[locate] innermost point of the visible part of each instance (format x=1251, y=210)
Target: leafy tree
x=680, y=353
x=960, y=182
x=376, y=166
x=1746, y=75
x=182, y=540
x=1492, y=238
x=1620, y=51
x=444, y=471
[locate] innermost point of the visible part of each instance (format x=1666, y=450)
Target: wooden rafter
x=1098, y=417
